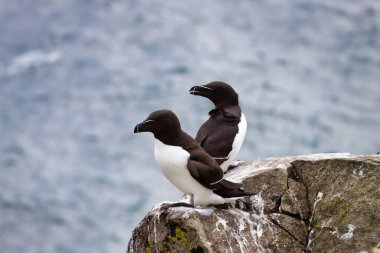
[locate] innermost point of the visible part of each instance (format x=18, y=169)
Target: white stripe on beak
x=206, y=87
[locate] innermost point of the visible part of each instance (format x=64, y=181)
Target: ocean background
x=76, y=76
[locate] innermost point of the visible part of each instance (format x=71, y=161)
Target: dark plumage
x=223, y=133
x=185, y=163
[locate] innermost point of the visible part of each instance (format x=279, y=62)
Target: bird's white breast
x=236, y=145
x=238, y=142
x=173, y=163
x=168, y=156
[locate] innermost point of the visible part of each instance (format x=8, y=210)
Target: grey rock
x=209, y=230
x=345, y=198
x=294, y=200
x=293, y=226
x=270, y=185
x=314, y=203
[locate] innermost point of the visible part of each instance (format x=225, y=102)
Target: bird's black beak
x=144, y=126
x=200, y=90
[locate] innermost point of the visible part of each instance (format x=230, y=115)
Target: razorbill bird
x=223, y=133
x=186, y=164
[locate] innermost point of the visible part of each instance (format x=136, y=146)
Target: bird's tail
x=228, y=189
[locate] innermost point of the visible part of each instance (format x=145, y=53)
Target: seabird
x=223, y=133
x=186, y=164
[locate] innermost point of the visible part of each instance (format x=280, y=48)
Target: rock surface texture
x=314, y=203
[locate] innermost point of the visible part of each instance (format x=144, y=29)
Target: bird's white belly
x=238, y=142
x=173, y=163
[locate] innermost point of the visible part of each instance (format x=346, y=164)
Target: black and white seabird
x=223, y=133
x=186, y=164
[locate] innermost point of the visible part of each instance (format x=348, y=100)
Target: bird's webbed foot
x=186, y=197
x=166, y=206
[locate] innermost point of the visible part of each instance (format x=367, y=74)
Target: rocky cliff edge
x=313, y=203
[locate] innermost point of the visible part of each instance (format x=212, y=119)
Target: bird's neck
x=170, y=137
x=232, y=111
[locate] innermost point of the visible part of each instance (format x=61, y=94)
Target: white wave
x=30, y=59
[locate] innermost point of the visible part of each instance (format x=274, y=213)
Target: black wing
x=204, y=169
x=217, y=138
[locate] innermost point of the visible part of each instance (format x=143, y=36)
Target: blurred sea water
x=77, y=76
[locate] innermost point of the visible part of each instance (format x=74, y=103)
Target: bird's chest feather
x=171, y=159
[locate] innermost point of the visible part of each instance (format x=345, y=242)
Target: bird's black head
x=220, y=93
x=163, y=124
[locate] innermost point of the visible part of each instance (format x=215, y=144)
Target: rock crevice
x=314, y=203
